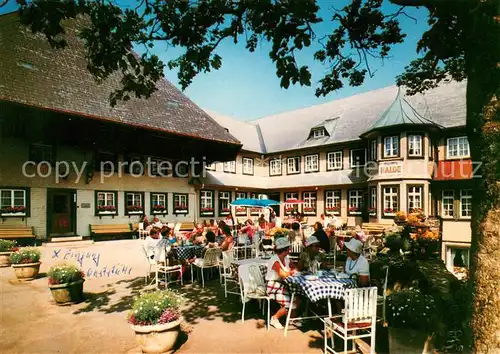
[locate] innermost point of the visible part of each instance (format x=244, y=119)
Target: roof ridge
x=262, y=142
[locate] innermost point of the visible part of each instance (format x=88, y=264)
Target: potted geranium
x=26, y=263
x=66, y=283
x=413, y=317
x=155, y=317
x=6, y=249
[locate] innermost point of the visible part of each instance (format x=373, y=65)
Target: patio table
x=327, y=286
x=187, y=252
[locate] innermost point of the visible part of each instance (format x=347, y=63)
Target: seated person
x=248, y=229
x=310, y=259
x=278, y=268
x=227, y=244
x=295, y=234
x=211, y=243
x=152, y=241
x=320, y=234
x=356, y=263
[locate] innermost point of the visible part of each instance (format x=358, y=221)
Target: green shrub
x=6, y=245
x=393, y=242
x=412, y=309
x=157, y=307
x=64, y=273
x=25, y=255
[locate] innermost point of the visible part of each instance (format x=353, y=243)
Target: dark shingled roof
x=34, y=74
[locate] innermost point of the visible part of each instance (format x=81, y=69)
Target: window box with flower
x=353, y=210
x=134, y=209
x=372, y=211
x=254, y=211
x=13, y=211
x=207, y=211
x=412, y=317
x=224, y=211
x=309, y=210
x=389, y=212
x=155, y=318
x=333, y=210
x=106, y=210
x=159, y=209
x=180, y=209
x=66, y=283
x=240, y=211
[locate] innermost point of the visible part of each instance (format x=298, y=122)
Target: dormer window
x=318, y=133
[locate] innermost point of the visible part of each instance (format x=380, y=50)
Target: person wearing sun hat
x=279, y=268
x=310, y=258
x=356, y=263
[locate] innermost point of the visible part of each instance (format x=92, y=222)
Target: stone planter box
x=68, y=293
x=409, y=341
x=26, y=271
x=157, y=338
x=5, y=259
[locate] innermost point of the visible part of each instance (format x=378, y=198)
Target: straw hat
x=281, y=243
x=311, y=240
x=355, y=246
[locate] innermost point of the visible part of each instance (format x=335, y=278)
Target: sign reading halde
x=390, y=168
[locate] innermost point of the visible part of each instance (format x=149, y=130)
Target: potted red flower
x=180, y=209
x=26, y=263
x=6, y=249
x=66, y=283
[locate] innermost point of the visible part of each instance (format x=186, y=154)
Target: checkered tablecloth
x=187, y=252
x=326, y=287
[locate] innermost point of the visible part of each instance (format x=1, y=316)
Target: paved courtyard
x=30, y=322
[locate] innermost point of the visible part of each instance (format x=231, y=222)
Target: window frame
x=160, y=172
x=398, y=151
x=357, y=197
x=243, y=210
x=288, y=165
x=318, y=130
x=458, y=157
x=31, y=153
x=125, y=201
x=372, y=210
x=374, y=150
x=390, y=214
x=226, y=170
x=422, y=146
x=96, y=203
x=351, y=158
x=290, y=195
x=448, y=255
x=460, y=206
x=212, y=206
x=180, y=211
x=317, y=163
x=328, y=168
x=422, y=194
x=243, y=166
x=314, y=206
x=453, y=216
x=254, y=211
x=336, y=205
x=280, y=164
x=27, y=201
x=151, y=204
x=211, y=167
x=221, y=212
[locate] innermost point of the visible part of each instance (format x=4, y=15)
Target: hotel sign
x=390, y=168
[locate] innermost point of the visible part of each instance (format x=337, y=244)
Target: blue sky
x=246, y=86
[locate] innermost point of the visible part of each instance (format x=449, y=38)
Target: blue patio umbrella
x=254, y=203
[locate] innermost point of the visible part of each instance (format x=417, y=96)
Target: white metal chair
x=241, y=249
x=254, y=288
x=226, y=275
x=151, y=264
x=165, y=268
x=177, y=228
x=209, y=260
x=359, y=314
x=142, y=232
x=296, y=249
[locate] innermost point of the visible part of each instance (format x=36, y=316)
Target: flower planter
x=26, y=271
x=5, y=259
x=68, y=293
x=157, y=338
x=409, y=341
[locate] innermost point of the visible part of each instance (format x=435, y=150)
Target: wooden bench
x=14, y=232
x=375, y=228
x=186, y=226
x=110, y=229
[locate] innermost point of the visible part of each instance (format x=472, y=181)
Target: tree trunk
x=483, y=126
